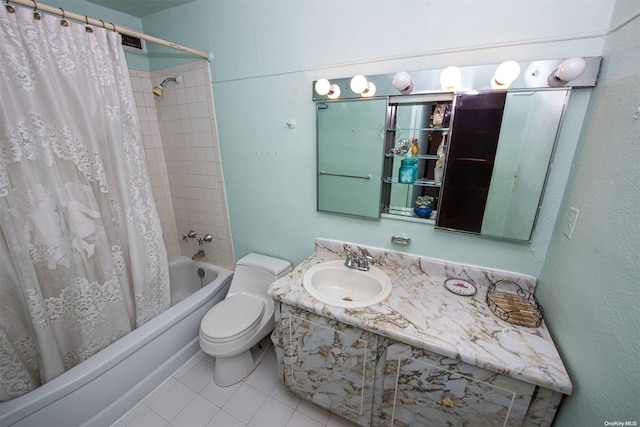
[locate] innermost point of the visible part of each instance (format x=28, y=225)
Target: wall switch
x=571, y=222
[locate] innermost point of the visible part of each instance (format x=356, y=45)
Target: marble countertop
x=422, y=313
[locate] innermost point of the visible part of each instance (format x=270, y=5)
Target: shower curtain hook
x=103, y=26
x=63, y=21
x=9, y=8
x=114, y=26
x=36, y=15
x=87, y=28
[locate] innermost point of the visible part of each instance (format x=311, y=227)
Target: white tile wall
x=154, y=152
x=181, y=143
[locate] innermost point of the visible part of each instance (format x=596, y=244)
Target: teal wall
x=589, y=283
x=266, y=56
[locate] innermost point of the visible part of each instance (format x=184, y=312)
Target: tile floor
x=190, y=398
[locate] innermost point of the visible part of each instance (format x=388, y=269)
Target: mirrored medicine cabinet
x=481, y=157
x=350, y=157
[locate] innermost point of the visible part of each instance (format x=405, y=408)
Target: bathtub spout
x=198, y=254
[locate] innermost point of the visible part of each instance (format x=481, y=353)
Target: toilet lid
x=232, y=318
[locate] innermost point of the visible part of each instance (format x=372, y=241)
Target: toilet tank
x=254, y=273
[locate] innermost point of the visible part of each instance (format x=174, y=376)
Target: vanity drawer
x=421, y=388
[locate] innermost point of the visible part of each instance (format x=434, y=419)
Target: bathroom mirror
x=350, y=156
x=498, y=152
x=530, y=125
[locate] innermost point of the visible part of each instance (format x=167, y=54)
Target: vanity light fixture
x=450, y=78
x=570, y=69
x=403, y=82
x=505, y=74
x=325, y=87
x=360, y=84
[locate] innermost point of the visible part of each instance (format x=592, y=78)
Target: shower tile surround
x=433, y=324
x=181, y=146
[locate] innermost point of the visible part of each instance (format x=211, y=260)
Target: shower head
x=157, y=91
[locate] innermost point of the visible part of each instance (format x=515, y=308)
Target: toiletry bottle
x=441, y=148
x=438, y=170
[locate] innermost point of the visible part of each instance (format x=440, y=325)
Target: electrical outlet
x=571, y=222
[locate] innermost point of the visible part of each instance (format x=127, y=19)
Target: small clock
x=460, y=287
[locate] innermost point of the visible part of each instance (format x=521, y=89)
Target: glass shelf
x=406, y=213
x=419, y=182
x=419, y=129
x=470, y=159
x=419, y=157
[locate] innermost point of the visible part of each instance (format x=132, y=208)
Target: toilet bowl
x=232, y=327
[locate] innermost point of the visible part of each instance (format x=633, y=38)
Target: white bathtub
x=102, y=388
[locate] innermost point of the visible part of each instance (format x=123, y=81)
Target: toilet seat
x=232, y=318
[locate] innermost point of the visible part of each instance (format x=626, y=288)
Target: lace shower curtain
x=82, y=260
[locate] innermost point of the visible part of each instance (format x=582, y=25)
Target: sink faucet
x=199, y=254
x=351, y=260
x=359, y=261
x=364, y=259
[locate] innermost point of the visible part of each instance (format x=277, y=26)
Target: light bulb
x=370, y=90
x=358, y=83
x=334, y=91
x=323, y=86
x=570, y=69
x=505, y=74
x=402, y=81
x=450, y=78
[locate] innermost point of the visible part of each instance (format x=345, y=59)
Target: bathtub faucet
x=199, y=254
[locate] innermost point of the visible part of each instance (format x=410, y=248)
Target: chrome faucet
x=207, y=239
x=351, y=260
x=364, y=259
x=199, y=254
x=190, y=235
x=359, y=261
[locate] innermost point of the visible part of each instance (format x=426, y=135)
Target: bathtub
x=101, y=389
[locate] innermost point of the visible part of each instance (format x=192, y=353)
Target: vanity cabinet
x=426, y=389
x=376, y=381
x=326, y=362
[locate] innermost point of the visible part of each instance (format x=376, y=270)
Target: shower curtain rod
x=100, y=23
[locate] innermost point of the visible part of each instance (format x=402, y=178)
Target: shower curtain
x=82, y=260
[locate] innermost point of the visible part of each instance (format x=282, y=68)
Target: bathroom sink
x=334, y=284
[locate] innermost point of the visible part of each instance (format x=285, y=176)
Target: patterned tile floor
x=190, y=398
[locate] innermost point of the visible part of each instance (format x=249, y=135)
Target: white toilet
x=233, y=326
